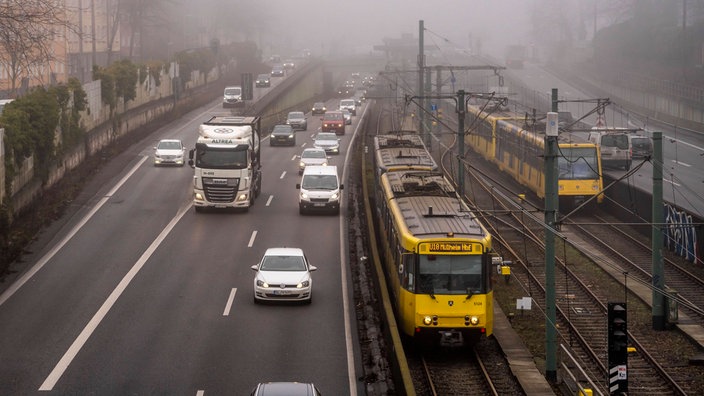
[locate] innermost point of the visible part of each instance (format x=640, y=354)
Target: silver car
x=312, y=157
x=169, y=152
x=327, y=141
x=297, y=120
x=283, y=274
x=285, y=388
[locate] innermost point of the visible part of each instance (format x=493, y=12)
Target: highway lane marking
x=294, y=157
x=200, y=393
x=268, y=201
x=682, y=163
x=671, y=182
x=251, y=239
x=78, y=343
x=230, y=299
x=50, y=254
x=282, y=175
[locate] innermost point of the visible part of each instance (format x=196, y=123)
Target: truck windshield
x=221, y=158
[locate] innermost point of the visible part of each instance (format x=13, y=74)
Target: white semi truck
x=227, y=163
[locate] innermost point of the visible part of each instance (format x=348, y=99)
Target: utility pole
x=461, y=113
x=658, y=280
x=551, y=209
x=421, y=85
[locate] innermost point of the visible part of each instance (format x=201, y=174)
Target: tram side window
x=407, y=274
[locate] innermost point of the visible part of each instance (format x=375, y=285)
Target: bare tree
x=28, y=31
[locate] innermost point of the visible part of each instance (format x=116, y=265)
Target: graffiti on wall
x=680, y=234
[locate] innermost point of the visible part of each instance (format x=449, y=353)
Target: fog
x=324, y=26
x=359, y=24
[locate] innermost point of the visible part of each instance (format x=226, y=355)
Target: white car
x=283, y=274
x=169, y=152
x=312, y=157
x=327, y=141
x=348, y=116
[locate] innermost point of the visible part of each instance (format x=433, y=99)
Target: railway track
x=453, y=371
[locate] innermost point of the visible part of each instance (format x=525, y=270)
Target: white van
x=320, y=190
x=615, y=146
x=232, y=97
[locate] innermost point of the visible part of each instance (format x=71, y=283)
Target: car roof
x=283, y=251
x=325, y=134
x=320, y=170
x=284, y=389
x=170, y=140
x=295, y=113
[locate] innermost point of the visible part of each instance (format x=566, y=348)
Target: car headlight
x=303, y=284
x=302, y=164
x=261, y=283
x=334, y=196
x=291, y=136
x=304, y=196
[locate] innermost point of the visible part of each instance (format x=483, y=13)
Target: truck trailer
x=227, y=163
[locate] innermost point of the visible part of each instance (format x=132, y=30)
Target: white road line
x=682, y=163
x=230, y=299
x=304, y=144
x=73, y=350
x=268, y=201
x=282, y=175
x=294, y=157
x=50, y=254
x=200, y=393
x=252, y=238
x=671, y=182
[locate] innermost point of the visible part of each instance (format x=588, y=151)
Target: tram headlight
x=428, y=320
x=474, y=320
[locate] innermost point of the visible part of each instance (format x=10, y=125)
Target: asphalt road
x=135, y=293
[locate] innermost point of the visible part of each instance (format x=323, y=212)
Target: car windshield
x=283, y=263
x=347, y=103
x=332, y=116
x=295, y=115
x=313, y=154
x=233, y=91
x=282, y=129
x=619, y=141
x=326, y=136
x=169, y=146
x=319, y=105
x=319, y=182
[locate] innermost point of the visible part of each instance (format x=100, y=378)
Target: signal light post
x=617, y=337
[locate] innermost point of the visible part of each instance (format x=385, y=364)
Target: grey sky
x=363, y=23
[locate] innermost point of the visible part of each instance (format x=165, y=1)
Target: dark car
x=334, y=121
x=263, y=81
x=277, y=71
x=318, y=108
x=282, y=135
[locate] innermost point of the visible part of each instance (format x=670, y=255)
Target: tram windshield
x=578, y=163
x=439, y=274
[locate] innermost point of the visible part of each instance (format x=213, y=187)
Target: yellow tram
x=437, y=258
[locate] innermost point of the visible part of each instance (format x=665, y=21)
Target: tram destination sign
x=450, y=247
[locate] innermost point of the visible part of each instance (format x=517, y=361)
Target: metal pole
x=656, y=236
x=421, y=85
x=461, y=112
x=551, y=209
